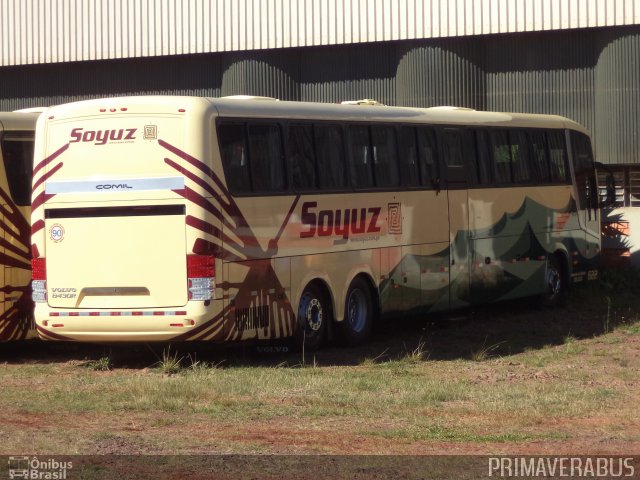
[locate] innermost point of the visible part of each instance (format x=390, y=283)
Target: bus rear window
x=17, y=153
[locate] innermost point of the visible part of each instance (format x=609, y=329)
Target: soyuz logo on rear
x=102, y=137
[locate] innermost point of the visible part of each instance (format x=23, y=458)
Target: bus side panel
x=6, y=324
x=512, y=239
x=392, y=286
x=19, y=306
x=459, y=238
x=419, y=282
x=16, y=317
x=434, y=276
x=257, y=295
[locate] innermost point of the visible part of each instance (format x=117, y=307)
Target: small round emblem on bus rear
x=56, y=232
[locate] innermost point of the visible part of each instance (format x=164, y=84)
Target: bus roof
x=18, y=121
x=248, y=107
x=354, y=112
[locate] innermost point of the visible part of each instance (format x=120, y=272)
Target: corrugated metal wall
x=254, y=73
x=44, y=85
x=592, y=76
x=334, y=74
x=46, y=31
x=617, y=98
x=552, y=73
x=441, y=73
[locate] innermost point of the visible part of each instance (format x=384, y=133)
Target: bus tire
x=355, y=328
x=314, y=312
x=554, y=282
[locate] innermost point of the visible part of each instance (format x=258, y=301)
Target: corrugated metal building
x=578, y=58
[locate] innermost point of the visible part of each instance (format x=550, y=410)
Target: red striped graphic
x=221, y=205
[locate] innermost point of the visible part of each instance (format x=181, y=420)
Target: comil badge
x=56, y=232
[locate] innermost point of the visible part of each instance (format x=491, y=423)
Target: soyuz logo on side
x=338, y=222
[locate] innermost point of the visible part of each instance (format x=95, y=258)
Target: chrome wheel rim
x=311, y=310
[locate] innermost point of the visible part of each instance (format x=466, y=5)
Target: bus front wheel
x=311, y=323
x=356, y=326
x=554, y=282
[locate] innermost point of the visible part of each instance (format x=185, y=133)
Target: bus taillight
x=201, y=275
x=39, y=283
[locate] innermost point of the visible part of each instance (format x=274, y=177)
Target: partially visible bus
x=225, y=219
x=17, y=130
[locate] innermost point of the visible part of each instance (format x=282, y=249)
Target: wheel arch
x=375, y=294
x=322, y=284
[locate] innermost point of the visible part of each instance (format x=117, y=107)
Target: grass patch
x=170, y=363
x=484, y=352
x=102, y=364
x=440, y=433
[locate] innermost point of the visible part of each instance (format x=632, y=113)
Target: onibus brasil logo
x=34, y=468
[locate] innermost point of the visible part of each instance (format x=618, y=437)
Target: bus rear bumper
x=144, y=325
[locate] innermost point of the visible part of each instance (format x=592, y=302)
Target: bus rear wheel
x=554, y=283
x=355, y=328
x=311, y=322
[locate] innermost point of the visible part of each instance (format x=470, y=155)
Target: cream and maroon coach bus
x=223, y=219
x=17, y=130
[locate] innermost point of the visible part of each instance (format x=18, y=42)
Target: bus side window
x=17, y=152
x=428, y=150
x=385, y=162
x=330, y=156
x=539, y=156
x=265, y=155
x=557, y=157
x=470, y=154
x=360, y=164
x=452, y=147
x=233, y=150
x=520, y=157
x=501, y=155
x=484, y=159
x=408, y=156
x=301, y=155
